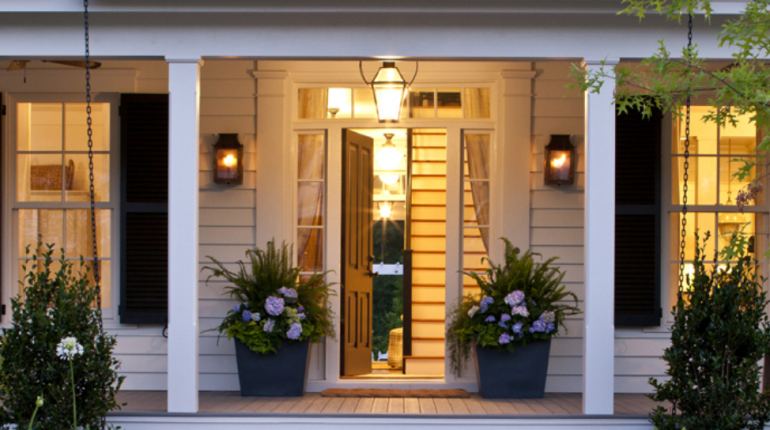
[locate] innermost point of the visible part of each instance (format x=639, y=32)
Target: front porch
x=147, y=409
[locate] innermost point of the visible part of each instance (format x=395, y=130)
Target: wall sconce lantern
x=390, y=89
x=228, y=160
x=559, y=161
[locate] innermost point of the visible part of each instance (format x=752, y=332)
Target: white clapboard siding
x=557, y=220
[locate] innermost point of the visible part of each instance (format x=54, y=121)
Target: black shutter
x=144, y=208
x=637, y=220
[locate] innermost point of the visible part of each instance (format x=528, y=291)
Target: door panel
x=357, y=204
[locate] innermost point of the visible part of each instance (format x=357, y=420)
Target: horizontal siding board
x=226, y=236
x=557, y=236
x=565, y=108
x=557, y=218
x=223, y=253
x=557, y=200
x=228, y=124
x=226, y=217
x=228, y=87
x=555, y=89
x=227, y=199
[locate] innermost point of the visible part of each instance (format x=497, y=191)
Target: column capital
x=184, y=60
x=609, y=61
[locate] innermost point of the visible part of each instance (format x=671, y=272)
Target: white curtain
x=310, y=201
x=477, y=150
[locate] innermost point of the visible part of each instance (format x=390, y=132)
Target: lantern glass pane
x=227, y=164
x=423, y=103
x=559, y=163
x=338, y=104
x=389, y=98
x=363, y=103
x=449, y=102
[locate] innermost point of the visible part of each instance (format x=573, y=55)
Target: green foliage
x=270, y=274
x=388, y=307
x=666, y=82
x=543, y=292
x=393, y=245
x=56, y=303
x=720, y=333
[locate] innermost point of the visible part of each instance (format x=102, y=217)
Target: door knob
x=370, y=268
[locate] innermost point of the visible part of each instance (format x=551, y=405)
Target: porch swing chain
x=97, y=277
x=686, y=167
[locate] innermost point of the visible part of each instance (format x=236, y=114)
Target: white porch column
x=599, y=337
x=184, y=96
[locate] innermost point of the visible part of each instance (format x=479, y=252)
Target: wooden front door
x=357, y=258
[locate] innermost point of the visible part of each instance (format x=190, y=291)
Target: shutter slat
x=144, y=218
x=637, y=220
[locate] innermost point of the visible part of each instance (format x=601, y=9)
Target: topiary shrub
x=56, y=303
x=719, y=336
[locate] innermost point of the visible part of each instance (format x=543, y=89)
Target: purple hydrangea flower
x=504, y=338
x=520, y=310
x=514, y=298
x=246, y=316
x=503, y=325
x=473, y=311
x=485, y=302
x=548, y=316
x=246, y=305
x=301, y=309
x=289, y=293
x=274, y=306
x=538, y=326
x=490, y=319
x=268, y=326
x=550, y=327
x=517, y=328
x=237, y=308
x=505, y=318
x=301, y=316
x=294, y=331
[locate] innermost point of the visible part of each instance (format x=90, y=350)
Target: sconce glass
x=228, y=160
x=389, y=88
x=560, y=161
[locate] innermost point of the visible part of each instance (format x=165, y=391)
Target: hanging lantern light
x=390, y=89
x=559, y=161
x=385, y=209
x=228, y=160
x=388, y=158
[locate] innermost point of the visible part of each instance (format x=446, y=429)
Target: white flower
x=473, y=311
x=255, y=316
x=68, y=348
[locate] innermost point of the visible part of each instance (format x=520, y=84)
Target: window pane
x=310, y=249
x=310, y=203
x=39, y=177
x=79, y=237
x=311, y=156
x=701, y=222
x=312, y=103
x=730, y=185
x=477, y=103
x=338, y=104
x=477, y=155
x=39, y=127
x=79, y=191
x=449, y=103
x=46, y=223
x=422, y=103
x=703, y=135
x=76, y=129
x=734, y=222
x=363, y=103
x=701, y=184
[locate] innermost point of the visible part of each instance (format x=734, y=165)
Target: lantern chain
x=97, y=275
x=686, y=175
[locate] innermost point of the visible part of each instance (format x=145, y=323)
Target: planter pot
x=513, y=375
x=273, y=375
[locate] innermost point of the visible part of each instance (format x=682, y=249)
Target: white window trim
x=10, y=206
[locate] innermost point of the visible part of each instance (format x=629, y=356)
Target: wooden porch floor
x=313, y=403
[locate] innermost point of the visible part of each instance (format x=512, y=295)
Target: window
x=311, y=187
x=715, y=154
x=476, y=204
x=52, y=199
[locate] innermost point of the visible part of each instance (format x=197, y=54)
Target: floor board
x=313, y=403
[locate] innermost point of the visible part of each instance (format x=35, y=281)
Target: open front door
x=357, y=258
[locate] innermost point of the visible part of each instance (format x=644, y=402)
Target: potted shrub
x=720, y=333
x=522, y=305
x=279, y=314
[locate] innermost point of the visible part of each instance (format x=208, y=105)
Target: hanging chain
x=686, y=167
x=97, y=277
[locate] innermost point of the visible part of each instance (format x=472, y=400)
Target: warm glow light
x=389, y=179
x=389, y=91
x=385, y=210
x=557, y=163
x=230, y=160
x=388, y=157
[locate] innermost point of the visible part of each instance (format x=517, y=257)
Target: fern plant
x=521, y=300
x=277, y=304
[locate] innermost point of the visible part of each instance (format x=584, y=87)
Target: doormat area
x=377, y=392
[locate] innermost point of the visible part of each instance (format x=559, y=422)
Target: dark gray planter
x=273, y=375
x=519, y=374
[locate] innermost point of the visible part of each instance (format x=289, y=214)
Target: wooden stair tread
x=426, y=357
x=428, y=338
x=418, y=302
x=429, y=285
x=414, y=320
